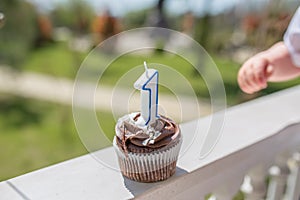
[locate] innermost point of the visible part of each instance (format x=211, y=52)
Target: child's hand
x=254, y=74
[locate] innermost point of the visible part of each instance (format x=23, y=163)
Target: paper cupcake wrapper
x=149, y=167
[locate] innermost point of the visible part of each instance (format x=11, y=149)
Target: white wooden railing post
x=276, y=184
x=293, y=183
x=246, y=187
x=278, y=178
x=258, y=188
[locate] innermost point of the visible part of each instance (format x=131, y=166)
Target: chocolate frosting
x=157, y=135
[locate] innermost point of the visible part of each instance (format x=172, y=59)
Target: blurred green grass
x=34, y=134
x=37, y=134
x=55, y=59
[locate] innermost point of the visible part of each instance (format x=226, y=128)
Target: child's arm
x=274, y=64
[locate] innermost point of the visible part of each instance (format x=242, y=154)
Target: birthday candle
x=148, y=85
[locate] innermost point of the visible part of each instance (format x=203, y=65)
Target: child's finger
x=241, y=79
x=251, y=80
x=259, y=67
x=246, y=81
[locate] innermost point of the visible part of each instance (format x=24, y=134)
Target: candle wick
x=146, y=69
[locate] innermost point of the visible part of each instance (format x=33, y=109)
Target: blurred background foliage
x=77, y=15
x=55, y=41
x=17, y=38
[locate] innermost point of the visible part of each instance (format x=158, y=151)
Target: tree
x=203, y=26
x=18, y=33
x=76, y=15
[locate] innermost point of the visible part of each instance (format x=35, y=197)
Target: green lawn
x=54, y=59
x=36, y=134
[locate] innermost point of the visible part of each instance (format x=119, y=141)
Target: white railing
x=257, y=154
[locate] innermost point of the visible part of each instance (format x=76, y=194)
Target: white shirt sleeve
x=292, y=38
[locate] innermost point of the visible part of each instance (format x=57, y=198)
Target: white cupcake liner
x=149, y=167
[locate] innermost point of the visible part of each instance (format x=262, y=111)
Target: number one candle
x=148, y=85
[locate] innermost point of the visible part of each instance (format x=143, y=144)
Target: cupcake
x=147, y=153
